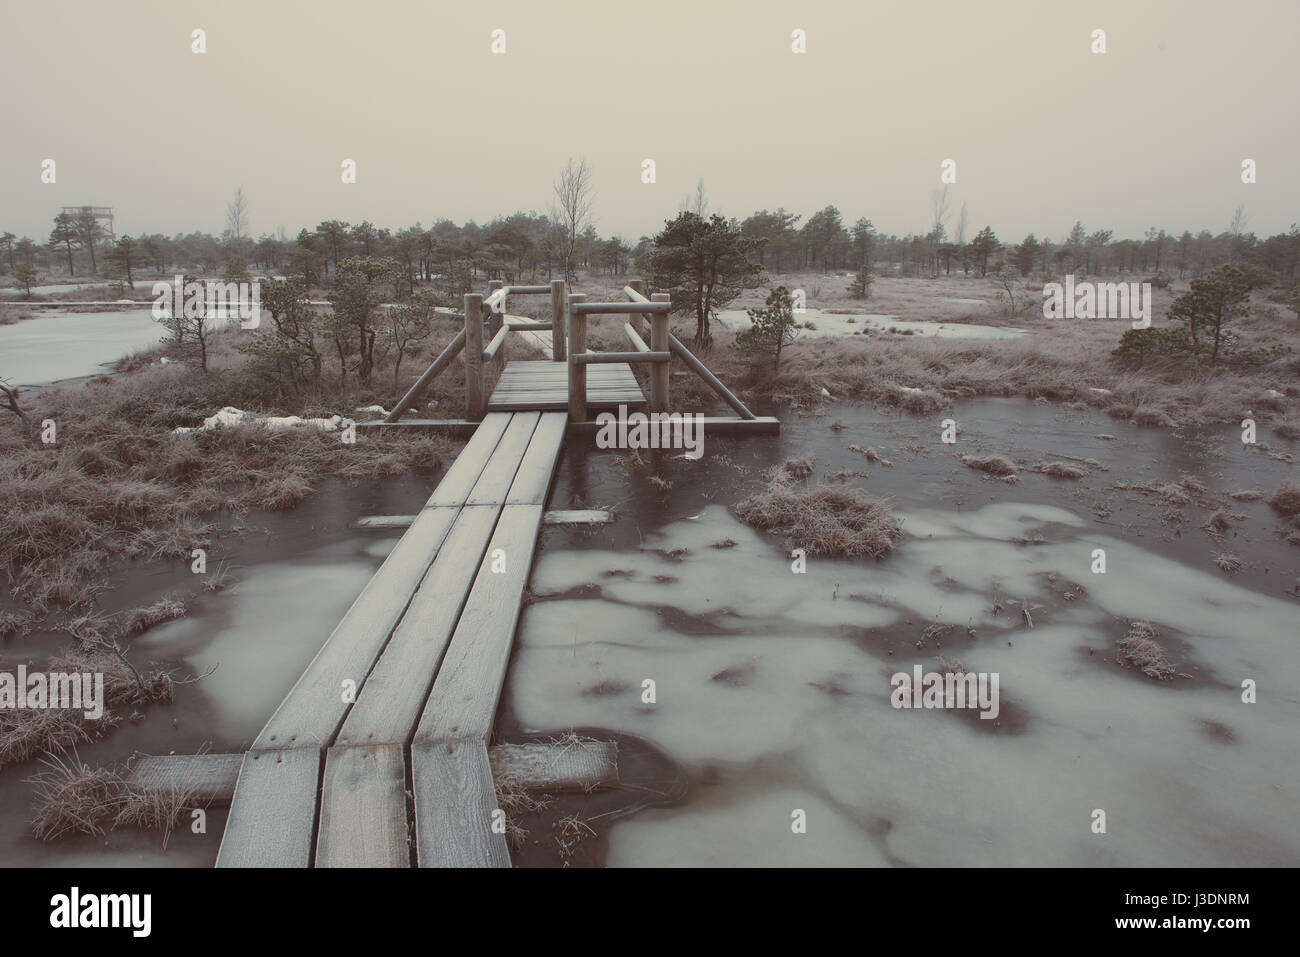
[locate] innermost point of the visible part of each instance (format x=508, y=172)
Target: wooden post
x=475, y=402
x=559, y=321
x=659, y=343
x=577, y=371
x=633, y=317
x=495, y=318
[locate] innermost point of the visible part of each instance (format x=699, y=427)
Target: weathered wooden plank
x=464, y=697
x=454, y=803
x=273, y=811
x=499, y=473
x=312, y=711
x=390, y=701
x=208, y=778
x=456, y=485
x=713, y=425
x=557, y=766
x=533, y=480
x=577, y=765
x=363, y=808
x=455, y=428
x=383, y=521
x=578, y=516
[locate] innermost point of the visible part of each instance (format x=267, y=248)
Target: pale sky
x=1044, y=132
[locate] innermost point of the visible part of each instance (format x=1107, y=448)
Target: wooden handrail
x=699, y=369
x=637, y=342
x=617, y=308
x=497, y=342
x=439, y=364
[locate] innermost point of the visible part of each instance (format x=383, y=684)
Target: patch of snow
x=230, y=416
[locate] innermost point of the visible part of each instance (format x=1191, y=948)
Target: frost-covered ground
x=834, y=324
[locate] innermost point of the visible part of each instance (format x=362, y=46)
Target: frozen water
x=779, y=685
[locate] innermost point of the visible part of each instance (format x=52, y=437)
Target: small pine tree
x=773, y=328
x=860, y=288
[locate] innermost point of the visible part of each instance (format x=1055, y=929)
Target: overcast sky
x=1152, y=133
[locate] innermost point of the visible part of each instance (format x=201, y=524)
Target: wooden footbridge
x=378, y=756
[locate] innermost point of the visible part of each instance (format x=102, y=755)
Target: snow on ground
x=834, y=325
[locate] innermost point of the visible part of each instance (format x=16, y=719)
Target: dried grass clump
x=871, y=455
x=142, y=619
x=14, y=625
x=796, y=469
x=993, y=464
x=279, y=492
x=824, y=520
x=1228, y=564
x=1247, y=495
x=1287, y=498
x=1140, y=650
x=1060, y=470
x=33, y=730
x=74, y=798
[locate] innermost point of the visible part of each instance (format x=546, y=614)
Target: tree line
x=529, y=246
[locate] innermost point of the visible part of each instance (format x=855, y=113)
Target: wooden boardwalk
x=378, y=756
x=545, y=385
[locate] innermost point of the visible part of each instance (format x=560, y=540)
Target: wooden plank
x=383, y=521
x=456, y=428
x=314, y=708
x=456, y=485
x=207, y=778
x=533, y=480
x=273, y=811
x=464, y=699
x=390, y=701
x=454, y=803
x=713, y=425
x=608, y=358
x=578, y=516
x=494, y=484
x=363, y=809
x=582, y=765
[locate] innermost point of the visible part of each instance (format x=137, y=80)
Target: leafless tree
x=237, y=215
x=1239, y=220
x=960, y=237
x=571, y=211
x=939, y=199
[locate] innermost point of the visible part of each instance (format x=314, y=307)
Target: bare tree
x=939, y=199
x=237, y=215
x=960, y=237
x=571, y=212
x=697, y=204
x=1239, y=220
